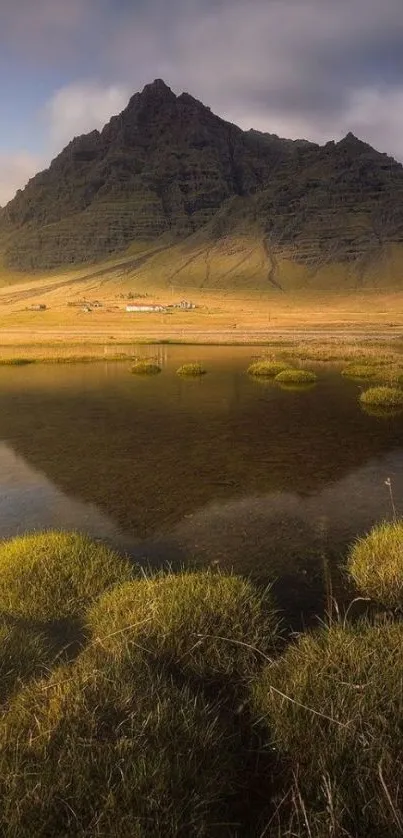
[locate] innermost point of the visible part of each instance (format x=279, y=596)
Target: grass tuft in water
x=191, y=370
x=388, y=397
x=361, y=371
x=296, y=376
x=52, y=575
x=333, y=704
x=375, y=563
x=145, y=368
x=268, y=369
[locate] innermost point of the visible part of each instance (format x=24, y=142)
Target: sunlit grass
x=386, y=397
x=333, y=705
x=51, y=575
x=145, y=368
x=362, y=371
x=266, y=368
x=296, y=376
x=191, y=370
x=376, y=564
x=198, y=620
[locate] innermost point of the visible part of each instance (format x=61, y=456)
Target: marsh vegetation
x=145, y=368
x=193, y=369
x=383, y=397
x=185, y=710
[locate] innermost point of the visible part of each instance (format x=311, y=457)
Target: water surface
x=220, y=470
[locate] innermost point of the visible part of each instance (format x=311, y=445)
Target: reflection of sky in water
x=29, y=501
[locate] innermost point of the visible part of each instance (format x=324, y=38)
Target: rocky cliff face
x=167, y=165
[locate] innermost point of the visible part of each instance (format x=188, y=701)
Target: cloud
x=80, y=108
x=15, y=170
x=294, y=67
x=43, y=29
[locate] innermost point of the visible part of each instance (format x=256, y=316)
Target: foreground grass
x=200, y=621
x=24, y=653
x=181, y=715
x=121, y=752
x=375, y=563
x=51, y=575
x=334, y=705
x=145, y=733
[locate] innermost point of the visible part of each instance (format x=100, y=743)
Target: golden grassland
x=323, y=312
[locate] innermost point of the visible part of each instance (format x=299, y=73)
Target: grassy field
x=235, y=302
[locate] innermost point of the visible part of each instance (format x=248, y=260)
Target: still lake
x=224, y=469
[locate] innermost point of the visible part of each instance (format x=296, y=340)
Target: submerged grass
x=375, y=563
x=51, y=575
x=334, y=705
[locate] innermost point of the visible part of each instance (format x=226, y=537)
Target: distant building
x=143, y=307
x=37, y=307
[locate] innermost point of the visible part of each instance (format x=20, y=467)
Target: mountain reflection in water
x=220, y=470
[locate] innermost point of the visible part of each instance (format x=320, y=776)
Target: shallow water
x=223, y=469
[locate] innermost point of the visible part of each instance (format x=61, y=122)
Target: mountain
x=167, y=173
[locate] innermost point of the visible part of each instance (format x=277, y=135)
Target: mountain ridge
x=167, y=168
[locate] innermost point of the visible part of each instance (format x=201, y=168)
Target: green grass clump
x=145, y=733
x=361, y=371
x=52, y=575
x=291, y=376
x=207, y=623
x=375, y=563
x=120, y=752
x=387, y=397
x=191, y=369
x=268, y=369
x=333, y=705
x=145, y=368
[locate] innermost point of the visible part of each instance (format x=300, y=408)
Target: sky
x=298, y=68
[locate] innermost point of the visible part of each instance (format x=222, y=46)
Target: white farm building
x=143, y=307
